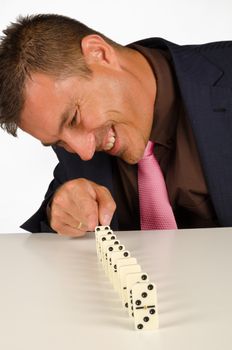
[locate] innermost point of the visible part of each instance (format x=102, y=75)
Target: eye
x=73, y=121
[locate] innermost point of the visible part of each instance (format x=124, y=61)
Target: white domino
x=117, y=266
x=109, y=236
x=104, y=249
x=123, y=272
x=112, y=267
x=101, y=230
x=132, y=279
x=137, y=293
x=145, y=306
x=112, y=249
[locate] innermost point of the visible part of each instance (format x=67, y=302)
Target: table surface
x=55, y=295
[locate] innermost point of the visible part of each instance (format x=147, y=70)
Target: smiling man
x=98, y=103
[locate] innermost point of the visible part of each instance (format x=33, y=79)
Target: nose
x=83, y=144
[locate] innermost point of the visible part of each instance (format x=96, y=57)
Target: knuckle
x=83, y=181
x=55, y=213
x=104, y=190
x=110, y=205
x=70, y=185
x=58, y=199
x=55, y=221
x=55, y=225
x=106, y=193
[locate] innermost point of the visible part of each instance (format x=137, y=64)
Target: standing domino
x=104, y=247
x=112, y=267
x=112, y=249
x=133, y=286
x=145, y=306
x=99, y=232
x=101, y=242
x=117, y=266
x=132, y=279
x=123, y=272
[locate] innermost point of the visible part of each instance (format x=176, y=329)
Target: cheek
x=93, y=118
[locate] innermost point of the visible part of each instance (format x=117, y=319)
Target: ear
x=97, y=51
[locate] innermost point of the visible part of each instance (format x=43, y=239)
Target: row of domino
x=137, y=293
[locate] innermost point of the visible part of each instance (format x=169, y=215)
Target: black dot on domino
x=126, y=305
x=120, y=247
x=152, y=311
x=138, y=302
x=146, y=319
x=125, y=254
x=150, y=287
x=144, y=277
x=144, y=295
x=140, y=326
x=103, y=238
x=110, y=249
x=98, y=229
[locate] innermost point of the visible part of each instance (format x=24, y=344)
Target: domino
x=101, y=228
x=109, y=236
x=145, y=306
x=117, y=266
x=123, y=272
x=132, y=279
x=112, y=267
x=137, y=293
x=113, y=248
x=104, y=247
x=99, y=231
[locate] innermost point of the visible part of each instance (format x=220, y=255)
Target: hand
x=79, y=206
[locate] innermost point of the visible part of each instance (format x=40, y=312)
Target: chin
x=130, y=159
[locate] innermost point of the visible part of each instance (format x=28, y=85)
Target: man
x=98, y=104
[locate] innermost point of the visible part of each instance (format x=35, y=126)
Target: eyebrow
x=64, y=117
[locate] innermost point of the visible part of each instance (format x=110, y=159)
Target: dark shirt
x=176, y=152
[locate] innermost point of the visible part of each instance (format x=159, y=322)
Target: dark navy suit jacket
x=204, y=75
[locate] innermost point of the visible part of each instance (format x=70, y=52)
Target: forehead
x=46, y=99
x=42, y=88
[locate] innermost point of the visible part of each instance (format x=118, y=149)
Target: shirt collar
x=166, y=104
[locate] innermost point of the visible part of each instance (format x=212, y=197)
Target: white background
x=26, y=167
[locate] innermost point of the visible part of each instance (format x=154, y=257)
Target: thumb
x=106, y=205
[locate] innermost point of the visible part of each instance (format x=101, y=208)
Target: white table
x=54, y=294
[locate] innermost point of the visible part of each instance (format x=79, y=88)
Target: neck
x=137, y=65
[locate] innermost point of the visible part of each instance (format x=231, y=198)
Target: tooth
x=112, y=139
x=109, y=146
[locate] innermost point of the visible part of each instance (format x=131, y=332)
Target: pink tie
x=155, y=209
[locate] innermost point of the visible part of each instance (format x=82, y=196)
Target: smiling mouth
x=110, y=141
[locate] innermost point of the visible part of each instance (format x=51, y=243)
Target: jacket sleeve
x=70, y=166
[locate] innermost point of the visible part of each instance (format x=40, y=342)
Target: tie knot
x=149, y=149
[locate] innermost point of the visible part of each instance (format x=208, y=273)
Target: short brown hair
x=45, y=43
